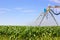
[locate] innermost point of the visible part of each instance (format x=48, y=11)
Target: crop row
x=29, y=33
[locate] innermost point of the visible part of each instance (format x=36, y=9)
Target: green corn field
x=29, y=33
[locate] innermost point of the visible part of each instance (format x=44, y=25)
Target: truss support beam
x=44, y=17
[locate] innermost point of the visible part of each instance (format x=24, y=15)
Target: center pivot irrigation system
x=49, y=10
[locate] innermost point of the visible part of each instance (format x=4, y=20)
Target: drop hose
x=54, y=12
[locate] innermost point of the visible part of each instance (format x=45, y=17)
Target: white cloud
x=24, y=10
x=28, y=11
x=56, y=1
x=18, y=8
x=4, y=10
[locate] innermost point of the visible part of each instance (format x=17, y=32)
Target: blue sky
x=22, y=12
